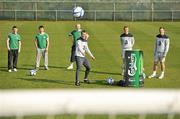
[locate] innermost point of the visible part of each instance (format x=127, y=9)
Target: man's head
x=14, y=29
x=126, y=29
x=162, y=30
x=84, y=34
x=41, y=29
x=78, y=26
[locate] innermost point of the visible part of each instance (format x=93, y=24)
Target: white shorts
x=159, y=56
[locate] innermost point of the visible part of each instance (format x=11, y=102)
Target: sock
x=154, y=72
x=162, y=73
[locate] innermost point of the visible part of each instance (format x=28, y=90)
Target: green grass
x=159, y=116
x=104, y=44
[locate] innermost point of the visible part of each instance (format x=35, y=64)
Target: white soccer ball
x=110, y=81
x=78, y=12
x=32, y=72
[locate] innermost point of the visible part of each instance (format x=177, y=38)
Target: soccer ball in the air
x=32, y=72
x=78, y=12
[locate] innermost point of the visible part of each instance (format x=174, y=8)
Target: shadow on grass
x=98, y=72
x=99, y=82
x=50, y=66
x=104, y=83
x=65, y=69
x=103, y=72
x=47, y=81
x=24, y=68
x=5, y=69
x=57, y=67
x=69, y=83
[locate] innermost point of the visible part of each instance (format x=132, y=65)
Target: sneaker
x=77, y=83
x=86, y=81
x=70, y=67
x=9, y=70
x=46, y=68
x=161, y=76
x=152, y=76
x=15, y=69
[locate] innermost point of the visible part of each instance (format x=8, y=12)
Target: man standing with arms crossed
x=42, y=46
x=75, y=35
x=81, y=48
x=127, y=42
x=160, y=52
x=14, y=47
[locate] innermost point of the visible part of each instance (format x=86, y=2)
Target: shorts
x=159, y=56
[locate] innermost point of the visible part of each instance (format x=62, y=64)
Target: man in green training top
x=76, y=34
x=14, y=47
x=42, y=46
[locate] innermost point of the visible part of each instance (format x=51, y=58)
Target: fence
x=130, y=15
x=58, y=10
x=21, y=103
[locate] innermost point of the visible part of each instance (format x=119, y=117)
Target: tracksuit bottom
x=79, y=62
x=12, y=58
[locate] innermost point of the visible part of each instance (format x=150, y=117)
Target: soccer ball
x=78, y=12
x=110, y=81
x=32, y=72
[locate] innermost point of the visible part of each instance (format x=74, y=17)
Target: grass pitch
x=105, y=45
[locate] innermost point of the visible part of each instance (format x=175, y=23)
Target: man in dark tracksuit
x=76, y=34
x=14, y=47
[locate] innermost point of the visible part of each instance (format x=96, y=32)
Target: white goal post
x=88, y=101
